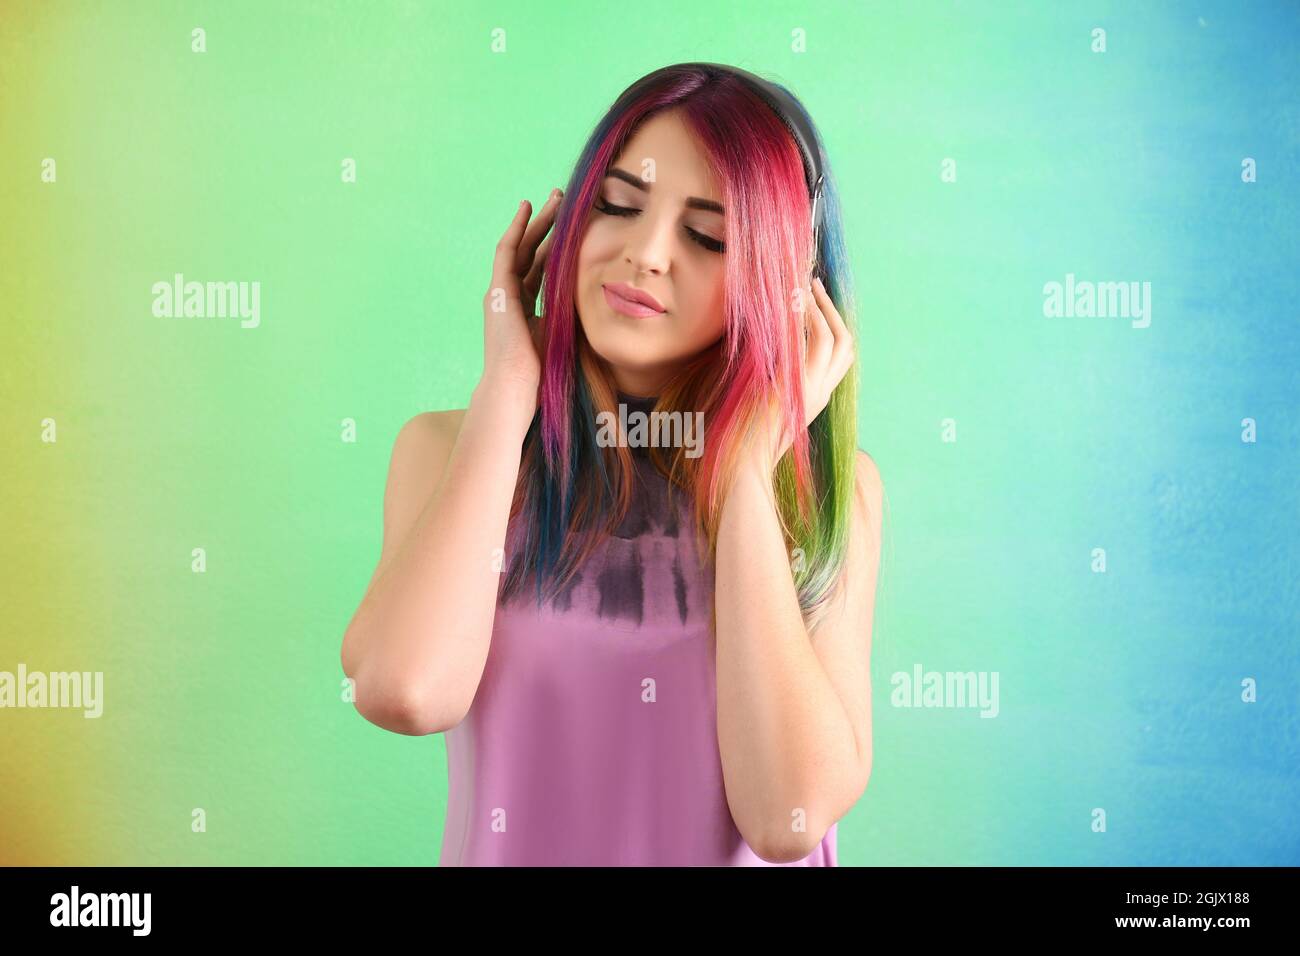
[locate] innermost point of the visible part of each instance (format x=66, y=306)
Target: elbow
x=349, y=652
x=792, y=839
x=402, y=706
x=347, y=658
x=399, y=715
x=784, y=847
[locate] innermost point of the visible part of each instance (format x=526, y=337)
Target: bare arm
x=418, y=642
x=794, y=709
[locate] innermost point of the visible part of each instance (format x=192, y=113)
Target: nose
x=649, y=244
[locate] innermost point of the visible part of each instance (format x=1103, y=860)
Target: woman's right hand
x=511, y=330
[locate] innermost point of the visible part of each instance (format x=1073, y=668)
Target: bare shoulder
x=870, y=490
x=867, y=468
x=428, y=429
x=420, y=454
x=421, y=450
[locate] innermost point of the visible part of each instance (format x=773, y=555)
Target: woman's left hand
x=828, y=357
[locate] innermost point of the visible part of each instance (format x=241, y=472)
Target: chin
x=615, y=349
x=610, y=331
x=620, y=341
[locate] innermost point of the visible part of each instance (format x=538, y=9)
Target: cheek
x=602, y=244
x=715, y=295
x=591, y=255
x=587, y=274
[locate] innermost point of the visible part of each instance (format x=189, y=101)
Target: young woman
x=644, y=655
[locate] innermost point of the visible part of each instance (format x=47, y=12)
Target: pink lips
x=629, y=301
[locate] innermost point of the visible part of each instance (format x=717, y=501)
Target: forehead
x=680, y=165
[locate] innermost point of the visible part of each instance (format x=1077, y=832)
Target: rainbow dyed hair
x=571, y=491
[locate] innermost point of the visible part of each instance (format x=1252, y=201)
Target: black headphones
x=784, y=106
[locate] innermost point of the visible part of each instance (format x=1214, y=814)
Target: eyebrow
x=694, y=202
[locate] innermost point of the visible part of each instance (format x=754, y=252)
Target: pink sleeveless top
x=592, y=740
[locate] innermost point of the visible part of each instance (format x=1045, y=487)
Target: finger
x=538, y=228
x=533, y=281
x=536, y=257
x=842, y=353
x=821, y=341
x=503, y=261
x=806, y=323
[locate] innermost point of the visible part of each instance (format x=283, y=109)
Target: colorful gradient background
x=223, y=690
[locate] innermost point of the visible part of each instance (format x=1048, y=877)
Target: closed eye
x=708, y=242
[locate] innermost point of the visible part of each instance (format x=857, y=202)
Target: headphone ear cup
x=818, y=210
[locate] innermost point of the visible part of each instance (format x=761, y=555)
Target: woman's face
x=658, y=227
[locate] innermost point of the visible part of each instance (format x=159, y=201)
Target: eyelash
x=609, y=209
